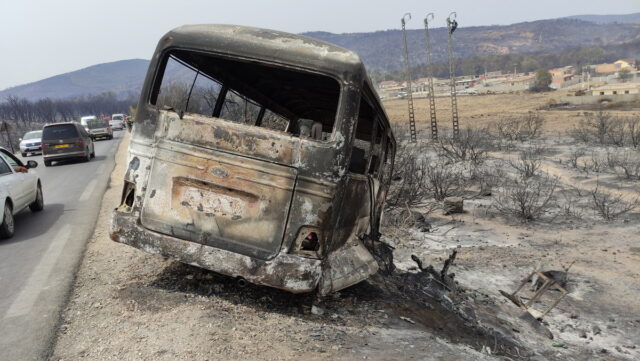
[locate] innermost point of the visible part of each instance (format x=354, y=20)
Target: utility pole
x=431, y=95
x=452, y=25
x=412, y=120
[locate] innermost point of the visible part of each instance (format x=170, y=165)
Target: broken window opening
x=239, y=109
x=387, y=159
x=367, y=142
x=248, y=92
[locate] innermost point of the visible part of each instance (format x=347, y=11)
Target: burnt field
x=549, y=190
x=554, y=190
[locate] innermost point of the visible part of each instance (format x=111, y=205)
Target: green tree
x=542, y=81
x=624, y=75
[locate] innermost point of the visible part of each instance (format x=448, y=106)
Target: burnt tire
x=7, y=227
x=38, y=204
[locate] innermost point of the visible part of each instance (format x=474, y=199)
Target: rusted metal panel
x=355, y=218
x=218, y=199
x=349, y=265
x=227, y=136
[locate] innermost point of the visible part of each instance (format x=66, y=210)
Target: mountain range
x=609, y=19
x=380, y=51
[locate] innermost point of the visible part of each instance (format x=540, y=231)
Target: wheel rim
x=8, y=218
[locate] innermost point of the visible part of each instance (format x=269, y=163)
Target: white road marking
x=37, y=281
x=87, y=191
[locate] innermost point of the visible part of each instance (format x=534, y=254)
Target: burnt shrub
x=470, y=144
x=527, y=198
x=521, y=127
x=611, y=205
x=409, y=178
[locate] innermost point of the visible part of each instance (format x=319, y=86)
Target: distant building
x=605, y=68
x=561, y=75
x=492, y=74
x=625, y=64
x=388, y=84
x=616, y=89
x=622, y=64
x=520, y=82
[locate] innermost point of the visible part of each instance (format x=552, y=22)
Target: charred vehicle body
x=257, y=154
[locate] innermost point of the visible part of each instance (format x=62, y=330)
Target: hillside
x=609, y=19
x=121, y=77
x=381, y=51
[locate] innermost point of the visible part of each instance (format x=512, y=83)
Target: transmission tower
x=412, y=120
x=452, y=25
x=431, y=95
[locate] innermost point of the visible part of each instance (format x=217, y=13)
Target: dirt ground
x=130, y=305
x=480, y=110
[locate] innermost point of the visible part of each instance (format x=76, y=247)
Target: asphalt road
x=37, y=265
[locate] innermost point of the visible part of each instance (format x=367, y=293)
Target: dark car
x=63, y=141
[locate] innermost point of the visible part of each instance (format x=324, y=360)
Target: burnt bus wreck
x=257, y=154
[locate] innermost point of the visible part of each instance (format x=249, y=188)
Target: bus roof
x=264, y=44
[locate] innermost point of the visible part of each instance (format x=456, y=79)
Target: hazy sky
x=43, y=38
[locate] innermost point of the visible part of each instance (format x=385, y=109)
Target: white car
x=19, y=188
x=117, y=121
x=31, y=143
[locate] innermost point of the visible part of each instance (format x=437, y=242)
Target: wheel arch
x=6, y=199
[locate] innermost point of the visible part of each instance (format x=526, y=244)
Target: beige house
x=622, y=64
x=388, y=84
x=616, y=89
x=561, y=75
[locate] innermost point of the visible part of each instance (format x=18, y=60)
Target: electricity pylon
x=431, y=95
x=452, y=25
x=412, y=120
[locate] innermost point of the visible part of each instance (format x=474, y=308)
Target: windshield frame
x=150, y=97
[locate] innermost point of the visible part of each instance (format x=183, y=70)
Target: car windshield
x=93, y=124
x=118, y=117
x=62, y=131
x=33, y=135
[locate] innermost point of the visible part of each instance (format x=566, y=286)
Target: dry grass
x=480, y=110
